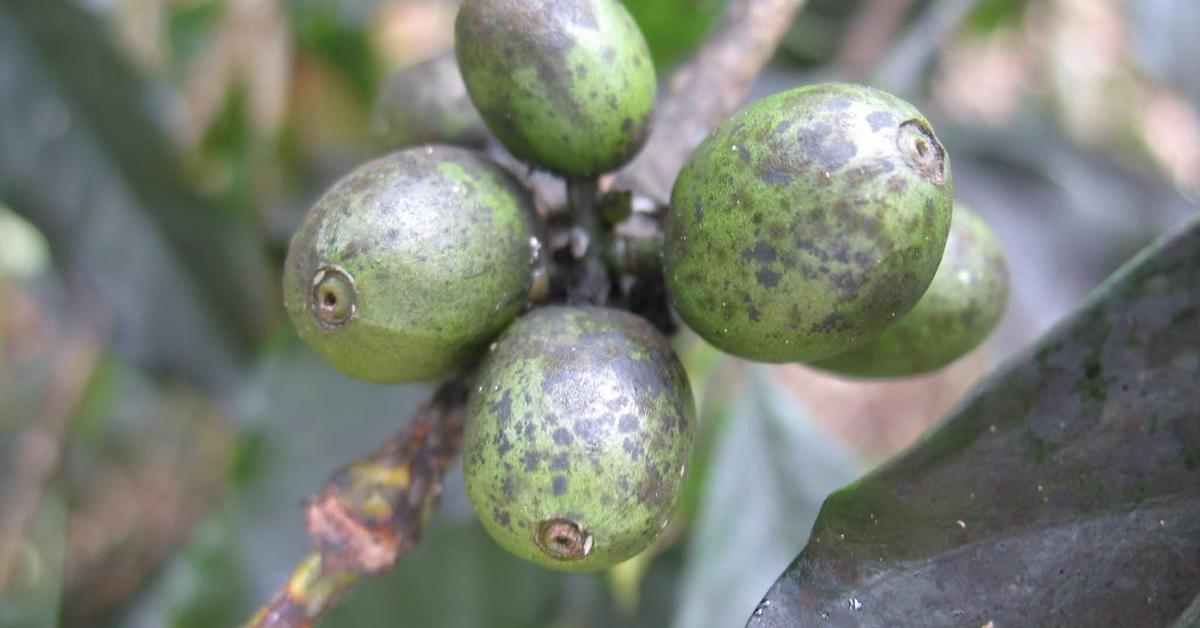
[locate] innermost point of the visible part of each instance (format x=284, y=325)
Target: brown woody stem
x=372, y=511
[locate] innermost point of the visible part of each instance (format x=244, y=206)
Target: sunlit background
x=161, y=425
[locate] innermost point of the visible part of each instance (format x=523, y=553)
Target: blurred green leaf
x=674, y=28
x=1066, y=492
x=83, y=157
x=33, y=598
x=208, y=584
x=190, y=24
x=989, y=15
x=769, y=472
x=227, y=151
x=330, y=36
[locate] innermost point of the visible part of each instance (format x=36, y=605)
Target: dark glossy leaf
x=83, y=158
x=1066, y=492
x=769, y=471
x=1190, y=617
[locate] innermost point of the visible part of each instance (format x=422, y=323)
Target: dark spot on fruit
x=776, y=177
x=627, y=125
x=837, y=104
x=897, y=184
x=531, y=459
x=563, y=437
x=835, y=322
x=699, y=209
x=629, y=423
x=768, y=278
x=881, y=119
x=836, y=154
x=847, y=282
x=503, y=408
x=633, y=449
x=558, y=485
x=560, y=462
x=762, y=253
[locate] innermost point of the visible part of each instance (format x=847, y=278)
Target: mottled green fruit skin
x=961, y=307
x=806, y=223
x=438, y=243
x=583, y=414
x=567, y=85
x=427, y=103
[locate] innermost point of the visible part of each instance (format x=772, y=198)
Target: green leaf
x=327, y=34
x=674, y=28
x=82, y=156
x=989, y=15
x=33, y=598
x=768, y=475
x=1065, y=492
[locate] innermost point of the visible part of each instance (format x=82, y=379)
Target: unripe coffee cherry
x=427, y=103
x=958, y=311
x=577, y=437
x=806, y=223
x=411, y=264
x=567, y=85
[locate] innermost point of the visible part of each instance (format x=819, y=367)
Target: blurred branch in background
x=706, y=90
x=39, y=447
x=82, y=157
x=129, y=468
x=869, y=34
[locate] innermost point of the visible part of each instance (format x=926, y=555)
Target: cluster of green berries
x=815, y=226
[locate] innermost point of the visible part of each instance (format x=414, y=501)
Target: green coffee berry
x=428, y=103
x=567, y=85
x=411, y=264
x=958, y=311
x=806, y=223
x=577, y=437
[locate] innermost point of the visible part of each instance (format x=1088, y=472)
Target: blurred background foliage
x=160, y=424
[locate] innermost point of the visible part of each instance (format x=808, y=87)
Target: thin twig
x=708, y=89
x=372, y=511
x=869, y=35
x=590, y=283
